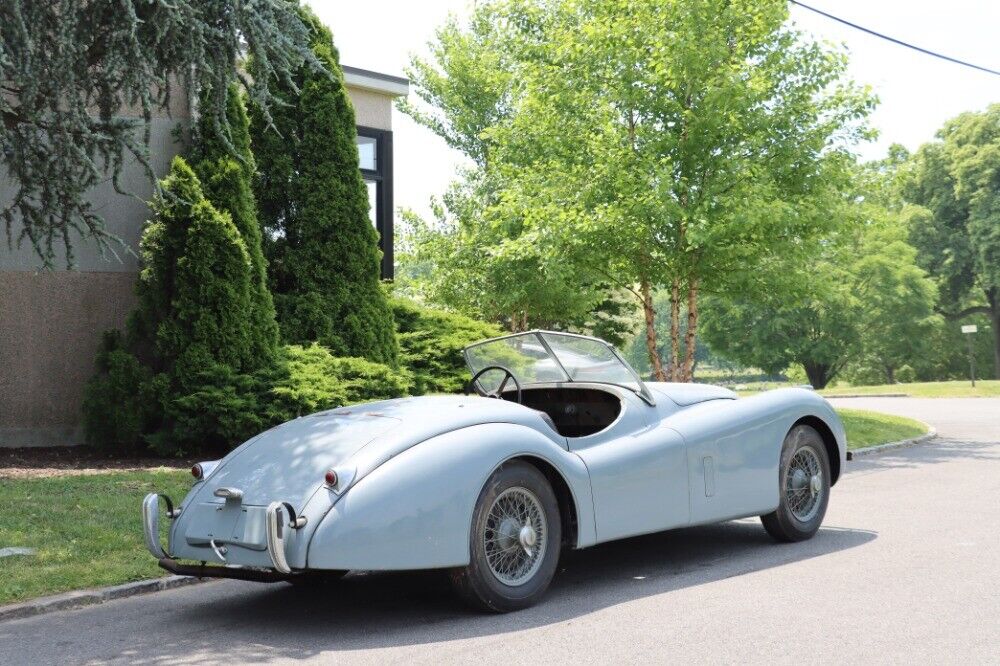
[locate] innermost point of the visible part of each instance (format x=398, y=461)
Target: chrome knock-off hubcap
x=804, y=484
x=515, y=538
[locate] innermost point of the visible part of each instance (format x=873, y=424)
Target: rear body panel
x=287, y=464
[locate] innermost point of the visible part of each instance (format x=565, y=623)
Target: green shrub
x=431, y=343
x=906, y=374
x=311, y=379
x=191, y=350
x=220, y=409
x=323, y=251
x=117, y=401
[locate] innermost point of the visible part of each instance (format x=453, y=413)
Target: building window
x=367, y=153
x=375, y=160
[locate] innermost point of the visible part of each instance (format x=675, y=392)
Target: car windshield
x=538, y=357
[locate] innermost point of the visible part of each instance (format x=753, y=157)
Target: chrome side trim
x=275, y=533
x=151, y=525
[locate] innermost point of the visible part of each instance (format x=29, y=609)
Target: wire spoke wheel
x=515, y=537
x=804, y=487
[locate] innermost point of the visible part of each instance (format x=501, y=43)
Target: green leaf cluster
x=189, y=355
x=431, y=343
x=312, y=379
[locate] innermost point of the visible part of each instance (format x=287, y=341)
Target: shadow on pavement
x=257, y=624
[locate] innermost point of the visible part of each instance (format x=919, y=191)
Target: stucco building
x=51, y=322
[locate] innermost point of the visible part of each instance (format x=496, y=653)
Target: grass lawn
x=960, y=389
x=87, y=530
x=866, y=428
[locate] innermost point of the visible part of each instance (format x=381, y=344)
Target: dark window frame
x=382, y=177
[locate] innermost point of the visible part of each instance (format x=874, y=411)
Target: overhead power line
x=896, y=41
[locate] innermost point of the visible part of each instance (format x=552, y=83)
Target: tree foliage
x=75, y=75
x=861, y=301
x=319, y=241
x=189, y=356
x=478, y=257
x=227, y=173
x=488, y=264
x=656, y=143
x=431, y=343
x=956, y=180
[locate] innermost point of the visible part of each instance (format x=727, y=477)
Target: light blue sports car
x=564, y=446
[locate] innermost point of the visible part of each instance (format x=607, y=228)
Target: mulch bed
x=75, y=461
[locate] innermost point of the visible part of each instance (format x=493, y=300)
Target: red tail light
x=330, y=477
x=197, y=472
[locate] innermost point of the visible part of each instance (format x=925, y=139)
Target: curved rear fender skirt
x=415, y=510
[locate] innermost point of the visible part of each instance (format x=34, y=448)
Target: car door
x=638, y=472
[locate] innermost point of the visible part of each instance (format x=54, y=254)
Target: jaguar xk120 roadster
x=563, y=447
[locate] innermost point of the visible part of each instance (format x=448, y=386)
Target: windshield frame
x=642, y=391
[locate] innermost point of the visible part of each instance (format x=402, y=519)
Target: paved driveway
x=905, y=570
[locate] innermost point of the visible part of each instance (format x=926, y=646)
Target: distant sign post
x=968, y=331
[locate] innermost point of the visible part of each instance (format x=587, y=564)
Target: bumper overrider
x=279, y=518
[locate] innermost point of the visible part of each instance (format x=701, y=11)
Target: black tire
x=476, y=583
x=786, y=524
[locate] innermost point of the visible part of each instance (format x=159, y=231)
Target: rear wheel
x=803, y=486
x=515, y=541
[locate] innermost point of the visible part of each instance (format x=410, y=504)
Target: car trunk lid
x=287, y=463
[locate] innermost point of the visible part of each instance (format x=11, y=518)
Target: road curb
x=891, y=446
x=83, y=598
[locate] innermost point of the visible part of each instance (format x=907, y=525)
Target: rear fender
x=415, y=510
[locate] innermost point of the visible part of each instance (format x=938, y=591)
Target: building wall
x=371, y=109
x=50, y=330
x=51, y=322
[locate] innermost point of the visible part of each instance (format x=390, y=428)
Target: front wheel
x=515, y=541
x=803, y=486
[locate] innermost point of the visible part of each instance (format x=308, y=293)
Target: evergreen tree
x=189, y=331
x=323, y=251
x=82, y=79
x=226, y=173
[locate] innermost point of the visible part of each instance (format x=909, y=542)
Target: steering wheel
x=473, y=384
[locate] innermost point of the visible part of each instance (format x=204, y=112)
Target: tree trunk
x=818, y=374
x=651, y=348
x=690, y=337
x=890, y=374
x=993, y=298
x=675, y=330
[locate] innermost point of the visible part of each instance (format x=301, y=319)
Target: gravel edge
x=891, y=446
x=82, y=598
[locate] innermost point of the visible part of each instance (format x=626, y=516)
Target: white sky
x=917, y=92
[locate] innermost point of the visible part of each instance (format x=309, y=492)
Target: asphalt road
x=905, y=570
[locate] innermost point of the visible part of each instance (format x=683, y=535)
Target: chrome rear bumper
x=279, y=518
x=151, y=524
